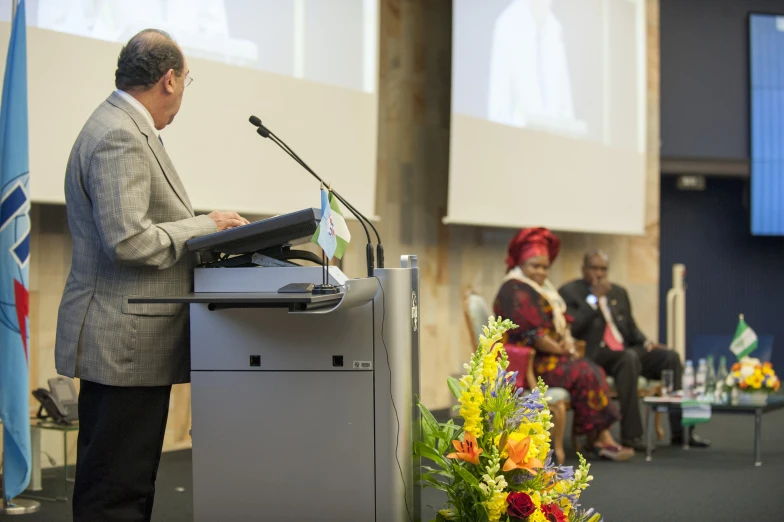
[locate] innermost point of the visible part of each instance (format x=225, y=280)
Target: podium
x=304, y=405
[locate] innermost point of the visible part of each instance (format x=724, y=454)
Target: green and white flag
x=332, y=233
x=745, y=340
x=695, y=412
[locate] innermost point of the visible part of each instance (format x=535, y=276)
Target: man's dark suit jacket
x=589, y=324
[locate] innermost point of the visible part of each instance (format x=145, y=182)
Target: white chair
x=477, y=313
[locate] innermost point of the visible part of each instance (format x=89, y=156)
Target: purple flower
x=521, y=476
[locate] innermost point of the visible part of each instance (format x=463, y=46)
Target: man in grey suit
x=130, y=216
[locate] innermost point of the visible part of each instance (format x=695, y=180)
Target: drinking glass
x=668, y=382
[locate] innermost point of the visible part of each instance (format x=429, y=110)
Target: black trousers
x=118, y=451
x=625, y=367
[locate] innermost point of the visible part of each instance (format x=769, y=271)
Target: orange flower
x=735, y=367
x=743, y=385
x=518, y=456
x=468, y=450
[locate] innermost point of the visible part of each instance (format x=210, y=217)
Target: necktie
x=161, y=140
x=612, y=337
x=610, y=340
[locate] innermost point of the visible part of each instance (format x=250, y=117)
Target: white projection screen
x=307, y=68
x=548, y=114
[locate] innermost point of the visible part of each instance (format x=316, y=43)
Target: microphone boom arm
x=266, y=133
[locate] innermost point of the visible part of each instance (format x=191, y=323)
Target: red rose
x=520, y=505
x=553, y=513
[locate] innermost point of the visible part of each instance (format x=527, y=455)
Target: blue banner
x=14, y=263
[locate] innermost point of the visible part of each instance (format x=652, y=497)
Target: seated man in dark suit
x=603, y=318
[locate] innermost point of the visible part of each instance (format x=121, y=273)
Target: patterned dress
x=583, y=379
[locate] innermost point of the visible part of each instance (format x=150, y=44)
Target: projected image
x=530, y=84
x=333, y=42
x=201, y=26
x=569, y=67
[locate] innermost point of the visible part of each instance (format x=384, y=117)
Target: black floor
x=717, y=485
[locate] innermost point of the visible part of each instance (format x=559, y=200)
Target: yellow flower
x=490, y=364
x=536, y=516
x=562, y=486
x=755, y=381
x=496, y=506
x=566, y=506
x=540, y=438
x=448, y=514
x=470, y=409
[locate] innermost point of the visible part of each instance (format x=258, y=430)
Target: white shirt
x=142, y=110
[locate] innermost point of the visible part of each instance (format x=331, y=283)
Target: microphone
x=264, y=132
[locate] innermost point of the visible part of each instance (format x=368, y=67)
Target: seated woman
x=530, y=300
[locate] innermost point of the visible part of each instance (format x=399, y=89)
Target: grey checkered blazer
x=130, y=217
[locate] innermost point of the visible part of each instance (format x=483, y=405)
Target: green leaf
x=468, y=477
x=443, y=473
x=423, y=450
x=430, y=426
x=435, y=484
x=446, y=435
x=454, y=386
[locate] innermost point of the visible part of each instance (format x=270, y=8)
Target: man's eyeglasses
x=188, y=79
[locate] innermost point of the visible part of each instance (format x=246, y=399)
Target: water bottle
x=710, y=380
x=721, y=381
x=688, y=380
x=702, y=373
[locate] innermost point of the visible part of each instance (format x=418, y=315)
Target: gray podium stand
x=292, y=395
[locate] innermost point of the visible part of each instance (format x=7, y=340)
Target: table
x=654, y=404
x=36, y=424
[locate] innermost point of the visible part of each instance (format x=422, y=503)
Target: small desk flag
x=332, y=233
x=745, y=340
x=14, y=262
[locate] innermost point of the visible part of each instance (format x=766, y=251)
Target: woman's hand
x=571, y=350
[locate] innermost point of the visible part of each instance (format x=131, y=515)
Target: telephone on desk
x=59, y=401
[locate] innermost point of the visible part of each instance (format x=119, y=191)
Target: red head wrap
x=532, y=242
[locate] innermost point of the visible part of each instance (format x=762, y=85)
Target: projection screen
x=307, y=68
x=548, y=114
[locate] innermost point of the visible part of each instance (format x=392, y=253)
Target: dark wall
x=728, y=271
x=704, y=76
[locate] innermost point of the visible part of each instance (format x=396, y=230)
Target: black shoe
x=637, y=444
x=694, y=441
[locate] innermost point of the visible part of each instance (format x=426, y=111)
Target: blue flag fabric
x=14, y=262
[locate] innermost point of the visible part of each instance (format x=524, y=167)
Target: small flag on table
x=695, y=412
x=745, y=340
x=332, y=233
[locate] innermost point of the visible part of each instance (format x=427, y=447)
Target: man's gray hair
x=145, y=59
x=595, y=252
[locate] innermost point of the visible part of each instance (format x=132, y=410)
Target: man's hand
x=601, y=286
x=652, y=345
x=226, y=220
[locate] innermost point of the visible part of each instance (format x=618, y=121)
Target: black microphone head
x=255, y=121
x=263, y=131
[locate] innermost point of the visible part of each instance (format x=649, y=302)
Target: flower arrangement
x=498, y=466
x=750, y=376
